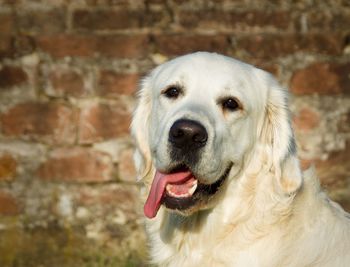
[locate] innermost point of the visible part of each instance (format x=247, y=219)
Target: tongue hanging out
x=180, y=184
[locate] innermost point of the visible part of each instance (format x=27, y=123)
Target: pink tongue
x=158, y=187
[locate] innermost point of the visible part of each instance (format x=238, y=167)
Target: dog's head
x=199, y=119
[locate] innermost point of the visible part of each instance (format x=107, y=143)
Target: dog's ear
x=276, y=135
x=140, y=128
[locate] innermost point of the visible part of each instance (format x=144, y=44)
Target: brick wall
x=68, y=73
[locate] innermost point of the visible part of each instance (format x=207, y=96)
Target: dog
x=221, y=181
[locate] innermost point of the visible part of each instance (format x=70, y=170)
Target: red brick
x=106, y=2
x=8, y=166
x=126, y=166
x=109, y=3
x=76, y=165
x=121, y=46
x=181, y=44
x=113, y=84
x=103, y=121
x=214, y=19
x=67, y=45
x=269, y=46
x=111, y=19
x=8, y=2
x=23, y=44
x=269, y=67
x=43, y=3
x=6, y=47
x=6, y=23
x=306, y=120
x=105, y=19
x=9, y=206
x=328, y=21
x=48, y=122
x=37, y=21
x=333, y=174
x=344, y=123
x=11, y=76
x=322, y=78
x=156, y=2
x=125, y=197
x=66, y=82
x=334, y=171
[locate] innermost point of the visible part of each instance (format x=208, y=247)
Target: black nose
x=188, y=134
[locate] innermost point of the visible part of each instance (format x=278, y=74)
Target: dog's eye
x=230, y=104
x=172, y=92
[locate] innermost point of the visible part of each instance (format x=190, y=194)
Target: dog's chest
x=207, y=255
x=213, y=248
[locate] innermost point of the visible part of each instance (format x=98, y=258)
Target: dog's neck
x=251, y=216
x=244, y=212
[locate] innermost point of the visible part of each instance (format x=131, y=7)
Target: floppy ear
x=277, y=137
x=139, y=130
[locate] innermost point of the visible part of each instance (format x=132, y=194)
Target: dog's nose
x=188, y=133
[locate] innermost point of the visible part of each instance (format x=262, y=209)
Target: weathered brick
x=6, y=23
x=126, y=166
x=112, y=19
x=178, y=44
x=334, y=171
x=8, y=2
x=113, y=84
x=9, y=206
x=118, y=3
x=122, y=46
x=11, y=76
x=269, y=67
x=66, y=82
x=23, y=44
x=306, y=120
x=67, y=45
x=124, y=197
x=105, y=19
x=41, y=21
x=328, y=21
x=335, y=79
x=89, y=45
x=103, y=121
x=12, y=46
x=48, y=122
x=344, y=123
x=8, y=166
x=269, y=46
x=6, y=48
x=214, y=19
x=76, y=165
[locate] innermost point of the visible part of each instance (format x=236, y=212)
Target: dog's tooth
x=193, y=188
x=169, y=189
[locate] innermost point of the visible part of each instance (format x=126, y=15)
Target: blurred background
x=69, y=70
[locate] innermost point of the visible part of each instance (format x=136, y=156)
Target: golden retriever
x=221, y=180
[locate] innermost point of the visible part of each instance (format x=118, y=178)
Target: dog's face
x=202, y=116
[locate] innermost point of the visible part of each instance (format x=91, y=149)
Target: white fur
x=268, y=213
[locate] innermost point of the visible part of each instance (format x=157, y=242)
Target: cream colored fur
x=268, y=212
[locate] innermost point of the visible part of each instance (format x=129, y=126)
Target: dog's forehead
x=203, y=69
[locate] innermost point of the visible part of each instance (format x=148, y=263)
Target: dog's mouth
x=180, y=190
